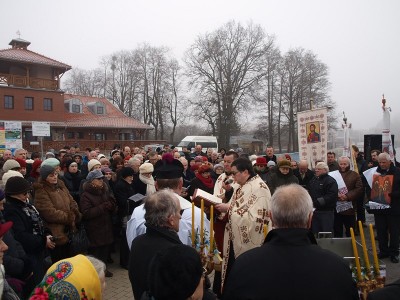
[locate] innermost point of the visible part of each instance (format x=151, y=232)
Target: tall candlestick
x=265, y=229
x=211, y=229
x=193, y=232
x=202, y=223
x=375, y=255
x=355, y=251
x=364, y=245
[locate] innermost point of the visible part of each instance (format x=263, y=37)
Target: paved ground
x=119, y=287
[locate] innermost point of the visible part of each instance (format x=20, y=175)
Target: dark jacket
x=143, y=249
x=299, y=269
x=122, y=191
x=72, y=181
x=97, y=207
x=277, y=179
x=307, y=177
x=323, y=190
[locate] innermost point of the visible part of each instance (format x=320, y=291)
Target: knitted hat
x=50, y=154
x=204, y=168
x=22, y=162
x=11, y=164
x=261, y=161
x=5, y=227
x=106, y=170
x=17, y=185
x=284, y=164
x=218, y=166
x=1, y=194
x=10, y=174
x=46, y=170
x=100, y=156
x=146, y=168
x=271, y=163
x=175, y=273
x=95, y=174
x=126, y=171
x=54, y=162
x=92, y=163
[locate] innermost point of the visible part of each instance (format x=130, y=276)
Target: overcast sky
x=359, y=40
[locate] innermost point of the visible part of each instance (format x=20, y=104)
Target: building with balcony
x=30, y=91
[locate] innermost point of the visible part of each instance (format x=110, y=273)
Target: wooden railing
x=105, y=146
x=22, y=81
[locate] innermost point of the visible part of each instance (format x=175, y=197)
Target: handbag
x=79, y=240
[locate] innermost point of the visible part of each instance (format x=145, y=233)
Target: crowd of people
x=139, y=203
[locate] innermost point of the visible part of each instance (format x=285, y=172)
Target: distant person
x=269, y=151
x=331, y=161
x=290, y=264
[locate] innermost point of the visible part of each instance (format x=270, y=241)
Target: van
x=205, y=141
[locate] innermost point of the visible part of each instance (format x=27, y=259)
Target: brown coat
x=355, y=189
x=97, y=207
x=57, y=208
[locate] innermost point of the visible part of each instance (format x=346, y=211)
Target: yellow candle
x=211, y=228
x=364, y=245
x=376, y=262
x=202, y=223
x=265, y=229
x=193, y=232
x=355, y=251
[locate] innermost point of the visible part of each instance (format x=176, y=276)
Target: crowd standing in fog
x=140, y=203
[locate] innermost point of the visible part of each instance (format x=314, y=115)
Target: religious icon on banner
x=313, y=130
x=381, y=188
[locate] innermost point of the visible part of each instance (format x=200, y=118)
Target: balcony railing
x=22, y=81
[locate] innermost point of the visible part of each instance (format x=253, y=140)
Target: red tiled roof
x=113, y=118
x=27, y=56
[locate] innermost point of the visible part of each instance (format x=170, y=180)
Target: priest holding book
x=247, y=213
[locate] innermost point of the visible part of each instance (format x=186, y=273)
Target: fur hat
x=175, y=273
x=261, y=161
x=54, y=162
x=146, y=168
x=11, y=164
x=9, y=174
x=271, y=163
x=126, y=171
x=284, y=164
x=95, y=174
x=92, y=163
x=22, y=162
x=17, y=185
x=46, y=170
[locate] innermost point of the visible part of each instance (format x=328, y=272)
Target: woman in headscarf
x=97, y=207
x=202, y=180
x=78, y=277
x=58, y=209
x=28, y=227
x=35, y=172
x=72, y=178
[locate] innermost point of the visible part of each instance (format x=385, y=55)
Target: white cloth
x=136, y=225
x=219, y=191
x=150, y=184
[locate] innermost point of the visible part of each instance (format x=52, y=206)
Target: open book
x=137, y=197
x=209, y=199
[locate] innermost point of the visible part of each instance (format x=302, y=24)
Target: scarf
x=208, y=182
x=150, y=187
x=37, y=222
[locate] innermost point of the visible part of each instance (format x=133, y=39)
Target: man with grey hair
x=386, y=181
x=298, y=267
x=162, y=221
x=323, y=190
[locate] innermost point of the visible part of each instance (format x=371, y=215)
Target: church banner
x=312, y=135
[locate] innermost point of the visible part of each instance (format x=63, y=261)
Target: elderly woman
x=97, y=206
x=57, y=208
x=72, y=178
x=78, y=277
x=145, y=185
x=202, y=180
x=28, y=227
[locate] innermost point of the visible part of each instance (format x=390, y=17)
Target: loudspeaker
x=373, y=142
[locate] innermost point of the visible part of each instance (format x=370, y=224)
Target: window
x=70, y=135
x=100, y=110
x=99, y=136
x=9, y=102
x=48, y=104
x=80, y=135
x=76, y=108
x=28, y=103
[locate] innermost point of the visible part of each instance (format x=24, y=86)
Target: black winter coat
x=277, y=179
x=307, y=178
x=298, y=269
x=323, y=190
x=143, y=249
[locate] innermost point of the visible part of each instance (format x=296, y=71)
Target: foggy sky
x=359, y=40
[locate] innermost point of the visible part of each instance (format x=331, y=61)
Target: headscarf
x=70, y=278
